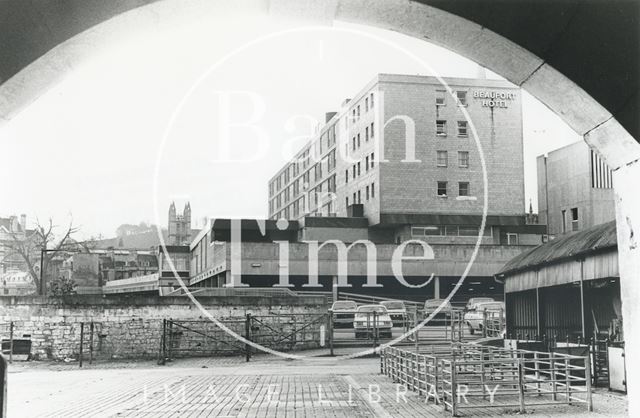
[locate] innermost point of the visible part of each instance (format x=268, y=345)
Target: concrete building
x=404, y=150
x=265, y=253
x=575, y=189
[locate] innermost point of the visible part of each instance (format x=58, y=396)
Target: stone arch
x=449, y=24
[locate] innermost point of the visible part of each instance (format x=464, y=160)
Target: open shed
x=566, y=289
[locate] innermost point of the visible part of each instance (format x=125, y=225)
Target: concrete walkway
x=229, y=387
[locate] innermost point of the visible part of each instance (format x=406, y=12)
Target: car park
x=431, y=305
x=368, y=318
x=471, y=303
x=475, y=319
x=397, y=311
x=343, y=312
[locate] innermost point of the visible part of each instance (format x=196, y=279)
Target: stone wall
x=126, y=326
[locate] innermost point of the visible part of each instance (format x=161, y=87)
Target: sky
x=133, y=126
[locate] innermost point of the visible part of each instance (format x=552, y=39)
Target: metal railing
x=475, y=376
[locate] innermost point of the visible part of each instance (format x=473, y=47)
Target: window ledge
x=471, y=198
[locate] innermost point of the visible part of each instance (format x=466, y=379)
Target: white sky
x=89, y=146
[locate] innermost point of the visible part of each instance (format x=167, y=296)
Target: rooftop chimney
x=23, y=222
x=345, y=102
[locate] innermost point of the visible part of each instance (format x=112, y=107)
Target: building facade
x=12, y=229
x=269, y=253
x=575, y=189
x=397, y=166
x=404, y=146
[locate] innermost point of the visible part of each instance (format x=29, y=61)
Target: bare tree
x=42, y=245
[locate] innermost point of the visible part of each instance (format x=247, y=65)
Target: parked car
x=474, y=319
x=364, y=323
x=397, y=311
x=432, y=304
x=471, y=303
x=343, y=313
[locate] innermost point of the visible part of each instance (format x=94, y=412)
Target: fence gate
x=281, y=332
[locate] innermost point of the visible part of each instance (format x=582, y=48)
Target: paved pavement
x=229, y=387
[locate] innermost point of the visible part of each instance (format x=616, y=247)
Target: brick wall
x=126, y=326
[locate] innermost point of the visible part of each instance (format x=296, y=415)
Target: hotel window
x=346, y=201
x=512, y=238
x=441, y=97
x=372, y=160
x=373, y=190
x=462, y=97
x=358, y=140
x=441, y=127
x=442, y=189
x=358, y=168
x=346, y=176
x=463, y=159
x=366, y=134
x=359, y=200
x=564, y=221
x=367, y=193
x=366, y=104
x=442, y=159
x=574, y=219
x=371, y=130
x=366, y=163
x=355, y=201
x=371, y=96
x=358, y=112
x=354, y=171
x=353, y=143
x=353, y=115
x=463, y=128
x=463, y=188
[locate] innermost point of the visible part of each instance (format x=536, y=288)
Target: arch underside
x=580, y=58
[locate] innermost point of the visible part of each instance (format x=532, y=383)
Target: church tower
x=179, y=225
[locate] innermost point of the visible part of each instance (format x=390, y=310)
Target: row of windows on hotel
x=355, y=169
x=327, y=186
x=368, y=134
x=462, y=128
x=369, y=193
x=463, y=188
x=303, y=160
x=368, y=105
x=313, y=199
x=313, y=175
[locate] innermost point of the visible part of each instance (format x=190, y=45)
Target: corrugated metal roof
x=598, y=237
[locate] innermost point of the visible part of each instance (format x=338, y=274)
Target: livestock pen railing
x=465, y=376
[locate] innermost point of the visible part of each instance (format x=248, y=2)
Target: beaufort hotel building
x=419, y=172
